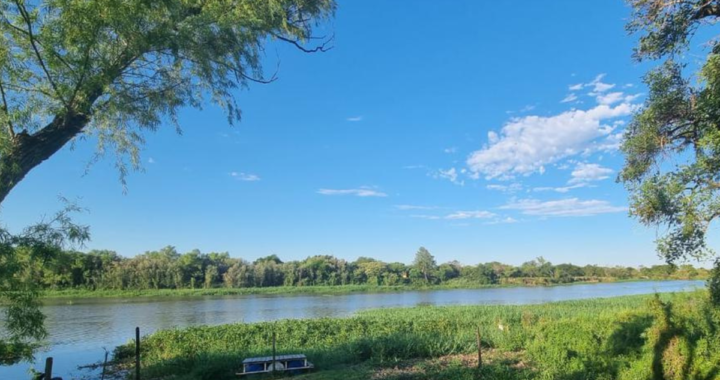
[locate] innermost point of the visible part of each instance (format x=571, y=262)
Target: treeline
x=169, y=269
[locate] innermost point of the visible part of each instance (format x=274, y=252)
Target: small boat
x=280, y=363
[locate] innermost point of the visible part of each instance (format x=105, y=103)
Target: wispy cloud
x=569, y=98
x=364, y=191
x=512, y=188
x=450, y=150
x=448, y=174
x=354, y=118
x=506, y=220
x=245, y=176
x=151, y=160
x=563, y=207
x=585, y=172
x=561, y=189
x=470, y=215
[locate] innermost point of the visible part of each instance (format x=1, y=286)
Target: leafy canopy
x=22, y=257
x=672, y=146
x=116, y=68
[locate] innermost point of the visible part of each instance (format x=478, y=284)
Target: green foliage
x=714, y=283
x=22, y=256
x=425, y=263
x=672, y=145
x=116, y=68
x=107, y=273
x=617, y=338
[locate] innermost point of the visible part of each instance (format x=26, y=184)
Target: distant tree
x=114, y=69
x=425, y=263
x=274, y=258
x=672, y=145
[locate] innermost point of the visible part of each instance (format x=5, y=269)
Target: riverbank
x=633, y=337
x=310, y=290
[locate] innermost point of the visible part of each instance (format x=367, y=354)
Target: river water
x=80, y=328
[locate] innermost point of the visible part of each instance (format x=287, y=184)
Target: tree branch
x=707, y=10
x=31, y=36
x=7, y=112
x=320, y=48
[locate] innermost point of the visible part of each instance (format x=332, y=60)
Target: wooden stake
x=48, y=368
x=273, y=362
x=102, y=377
x=137, y=353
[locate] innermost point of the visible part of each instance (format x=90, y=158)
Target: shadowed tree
x=672, y=145
x=21, y=258
x=114, y=69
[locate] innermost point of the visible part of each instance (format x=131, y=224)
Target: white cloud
x=505, y=188
x=354, y=118
x=526, y=144
x=507, y=220
x=245, y=176
x=450, y=150
x=563, y=207
x=598, y=86
x=609, y=98
x=585, y=172
x=569, y=98
x=151, y=160
x=414, y=207
x=470, y=215
x=449, y=174
x=527, y=108
x=563, y=189
x=364, y=191
x=428, y=217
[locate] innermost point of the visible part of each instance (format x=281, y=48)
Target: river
x=79, y=329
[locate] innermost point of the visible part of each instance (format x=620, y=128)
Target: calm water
x=79, y=329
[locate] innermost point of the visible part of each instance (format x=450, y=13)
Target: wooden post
x=479, y=345
x=48, y=368
x=273, y=362
x=137, y=353
x=102, y=377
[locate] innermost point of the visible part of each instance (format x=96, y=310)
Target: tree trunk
x=29, y=150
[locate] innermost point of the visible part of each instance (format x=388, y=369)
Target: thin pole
x=137, y=353
x=104, y=366
x=273, y=363
x=48, y=368
x=479, y=346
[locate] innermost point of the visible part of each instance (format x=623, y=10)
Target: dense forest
x=169, y=269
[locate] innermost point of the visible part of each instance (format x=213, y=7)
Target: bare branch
x=320, y=48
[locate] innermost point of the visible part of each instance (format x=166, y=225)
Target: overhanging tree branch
x=26, y=16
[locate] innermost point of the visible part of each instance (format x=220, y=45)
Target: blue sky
x=478, y=130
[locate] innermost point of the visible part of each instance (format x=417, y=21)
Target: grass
x=671, y=336
x=290, y=290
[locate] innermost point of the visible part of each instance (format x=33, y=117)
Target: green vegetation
x=672, y=145
x=117, y=69
x=639, y=337
x=23, y=322
x=167, y=272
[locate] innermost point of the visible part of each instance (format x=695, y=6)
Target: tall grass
x=637, y=337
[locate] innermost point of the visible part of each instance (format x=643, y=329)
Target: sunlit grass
x=599, y=339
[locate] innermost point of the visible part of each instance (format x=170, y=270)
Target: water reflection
x=81, y=328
